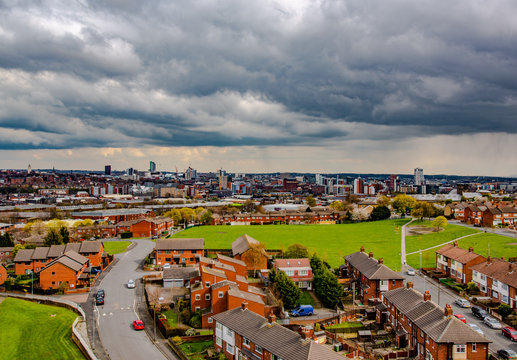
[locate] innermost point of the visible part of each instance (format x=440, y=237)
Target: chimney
x=381, y=261
x=370, y=254
x=244, y=305
x=456, y=243
x=427, y=295
x=362, y=248
x=448, y=310
x=510, y=267
x=471, y=249
x=409, y=285
x=271, y=318
x=502, y=258
x=488, y=260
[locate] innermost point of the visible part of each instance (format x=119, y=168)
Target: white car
x=167, y=266
x=131, y=284
x=411, y=272
x=462, y=303
x=476, y=329
x=493, y=323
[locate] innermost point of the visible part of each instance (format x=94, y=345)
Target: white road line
x=134, y=309
x=103, y=314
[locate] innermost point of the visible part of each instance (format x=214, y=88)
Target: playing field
x=33, y=331
x=329, y=241
x=115, y=247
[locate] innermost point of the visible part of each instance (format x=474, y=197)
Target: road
x=115, y=317
x=498, y=231
x=447, y=297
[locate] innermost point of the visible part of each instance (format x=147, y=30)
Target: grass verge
x=115, y=247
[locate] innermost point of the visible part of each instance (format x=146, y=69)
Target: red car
x=138, y=325
x=510, y=333
x=461, y=318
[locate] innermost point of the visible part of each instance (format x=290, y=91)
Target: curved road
x=115, y=317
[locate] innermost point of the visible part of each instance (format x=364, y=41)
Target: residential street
x=115, y=317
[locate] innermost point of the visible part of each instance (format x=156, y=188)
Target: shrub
x=190, y=332
x=126, y=235
x=177, y=340
x=504, y=310
x=185, y=316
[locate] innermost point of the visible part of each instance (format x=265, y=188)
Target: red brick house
x=178, y=251
x=474, y=214
x=6, y=253
x=146, y=227
x=457, y=211
x=370, y=276
x=243, y=334
x=298, y=270
x=497, y=278
x=457, y=262
x=68, y=268
x=430, y=331
x=3, y=274
x=6, y=228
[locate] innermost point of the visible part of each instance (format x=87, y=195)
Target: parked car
x=493, y=323
x=507, y=354
x=138, y=325
x=302, y=310
x=99, y=300
x=411, y=272
x=478, y=312
x=131, y=284
x=461, y=302
x=477, y=329
x=510, y=333
x=101, y=292
x=461, y=318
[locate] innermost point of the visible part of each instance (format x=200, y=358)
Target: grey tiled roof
x=230, y=259
x=370, y=267
x=500, y=270
x=180, y=244
x=40, y=253
x=70, y=259
x=274, y=338
x=241, y=244
x=90, y=246
x=56, y=250
x=24, y=255
x=73, y=247
x=184, y=273
x=235, y=292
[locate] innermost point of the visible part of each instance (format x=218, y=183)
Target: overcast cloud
x=276, y=81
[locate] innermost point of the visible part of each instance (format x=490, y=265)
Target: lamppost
x=93, y=327
x=32, y=282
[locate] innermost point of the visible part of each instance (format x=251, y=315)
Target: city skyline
x=296, y=86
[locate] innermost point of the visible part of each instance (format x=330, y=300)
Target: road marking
x=134, y=309
x=111, y=314
x=103, y=314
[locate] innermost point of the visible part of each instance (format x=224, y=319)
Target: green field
x=33, y=331
x=115, y=247
x=331, y=242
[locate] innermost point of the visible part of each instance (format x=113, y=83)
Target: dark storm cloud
x=253, y=73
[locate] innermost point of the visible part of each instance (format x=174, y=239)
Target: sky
x=260, y=86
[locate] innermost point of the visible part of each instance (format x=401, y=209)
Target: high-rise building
x=190, y=174
x=29, y=169
x=419, y=176
x=393, y=182
x=130, y=171
x=358, y=186
x=152, y=166
x=107, y=170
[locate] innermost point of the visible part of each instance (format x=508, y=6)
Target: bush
x=126, y=235
x=504, y=310
x=177, y=340
x=195, y=321
x=185, y=316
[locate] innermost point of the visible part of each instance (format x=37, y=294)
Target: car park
x=138, y=325
x=479, y=312
x=510, y=333
x=461, y=302
x=477, y=329
x=461, y=318
x=507, y=354
x=131, y=284
x=492, y=322
x=411, y=272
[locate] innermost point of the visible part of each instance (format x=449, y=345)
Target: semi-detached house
x=497, y=278
x=457, y=262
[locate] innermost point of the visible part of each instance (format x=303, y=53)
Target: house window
x=210, y=320
x=207, y=284
x=246, y=342
x=258, y=349
x=229, y=348
x=474, y=347
x=460, y=349
x=393, y=282
x=219, y=341
x=220, y=295
x=197, y=308
x=303, y=272
x=198, y=297
x=207, y=296
x=181, y=251
x=229, y=333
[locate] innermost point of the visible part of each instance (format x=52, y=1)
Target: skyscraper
x=152, y=166
x=107, y=170
x=419, y=176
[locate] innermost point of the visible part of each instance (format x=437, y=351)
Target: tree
x=65, y=235
x=53, y=237
x=272, y=275
x=337, y=205
x=296, y=251
x=288, y=290
x=326, y=284
x=187, y=214
x=440, y=223
x=249, y=206
x=504, y=310
x=206, y=217
x=6, y=240
x=16, y=248
x=310, y=200
x=418, y=213
x=360, y=214
x=254, y=255
x=383, y=200
x=402, y=202
x=380, y=213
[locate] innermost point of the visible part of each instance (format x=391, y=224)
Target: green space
x=34, y=331
x=331, y=242
x=194, y=350
x=115, y=247
x=307, y=299
x=345, y=325
x=172, y=318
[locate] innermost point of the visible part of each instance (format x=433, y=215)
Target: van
x=302, y=310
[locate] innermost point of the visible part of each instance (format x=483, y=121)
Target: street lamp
x=32, y=282
x=93, y=328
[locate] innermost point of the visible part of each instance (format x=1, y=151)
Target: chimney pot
x=271, y=318
x=409, y=285
x=489, y=260
x=370, y=254
x=456, y=244
x=362, y=248
x=381, y=261
x=244, y=305
x=502, y=258
x=448, y=310
x=471, y=249
x=427, y=295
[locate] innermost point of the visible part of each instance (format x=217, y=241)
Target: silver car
x=493, y=323
x=131, y=284
x=462, y=303
x=411, y=272
x=476, y=329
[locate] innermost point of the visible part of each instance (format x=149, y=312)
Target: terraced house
x=178, y=251
x=431, y=332
x=497, y=278
x=457, y=262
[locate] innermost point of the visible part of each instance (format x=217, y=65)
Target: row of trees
x=186, y=215
x=289, y=292
x=326, y=285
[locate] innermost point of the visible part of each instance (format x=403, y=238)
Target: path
x=443, y=244
x=403, y=244
x=315, y=298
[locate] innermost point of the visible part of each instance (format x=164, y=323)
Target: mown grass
x=172, y=318
x=192, y=349
x=31, y=331
x=306, y=299
x=331, y=242
x=115, y=247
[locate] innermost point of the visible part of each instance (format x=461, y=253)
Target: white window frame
x=460, y=349
x=220, y=295
x=258, y=349
x=198, y=297
x=219, y=341
x=207, y=296
x=474, y=347
x=210, y=320
x=229, y=349
x=246, y=342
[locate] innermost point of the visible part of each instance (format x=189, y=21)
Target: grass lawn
x=29, y=331
x=344, y=325
x=306, y=299
x=115, y=247
x=331, y=242
x=172, y=318
x=192, y=348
